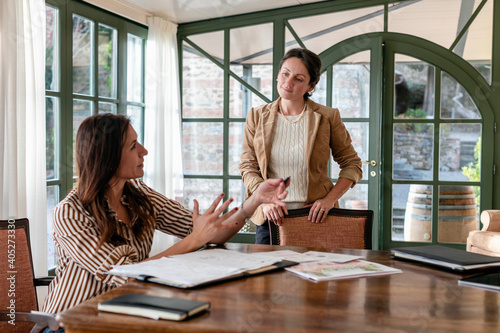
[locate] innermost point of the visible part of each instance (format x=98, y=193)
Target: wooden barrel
x=457, y=213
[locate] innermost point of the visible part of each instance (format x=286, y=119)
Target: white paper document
x=196, y=268
x=227, y=258
x=309, y=256
x=320, y=271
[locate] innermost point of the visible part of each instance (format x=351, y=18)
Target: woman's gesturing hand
x=207, y=226
x=212, y=224
x=272, y=191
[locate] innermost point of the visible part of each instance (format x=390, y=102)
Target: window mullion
x=95, y=65
x=225, y=140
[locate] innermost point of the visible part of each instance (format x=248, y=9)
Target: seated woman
x=110, y=218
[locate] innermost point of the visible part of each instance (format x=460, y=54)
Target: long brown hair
x=99, y=143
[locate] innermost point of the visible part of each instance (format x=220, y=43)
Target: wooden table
x=421, y=299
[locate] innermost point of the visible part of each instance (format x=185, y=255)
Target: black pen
x=286, y=179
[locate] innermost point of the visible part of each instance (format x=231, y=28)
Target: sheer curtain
x=162, y=130
x=22, y=120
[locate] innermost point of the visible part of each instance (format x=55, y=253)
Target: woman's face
x=132, y=160
x=293, y=80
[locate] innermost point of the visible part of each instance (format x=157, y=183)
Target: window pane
x=253, y=61
x=107, y=107
x=320, y=32
x=476, y=46
x=355, y=198
x=81, y=110
x=203, y=190
x=83, y=41
x=202, y=87
x=457, y=213
x=241, y=99
x=456, y=102
x=202, y=148
x=134, y=68
x=52, y=200
x=235, y=147
x=413, y=151
x=421, y=19
x=360, y=134
x=52, y=138
x=135, y=115
x=52, y=49
x=107, y=61
x=259, y=51
x=460, y=152
x=319, y=92
x=413, y=88
x=351, y=86
x=237, y=192
x=412, y=213
x=211, y=42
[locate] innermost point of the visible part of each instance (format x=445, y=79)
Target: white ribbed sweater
x=288, y=156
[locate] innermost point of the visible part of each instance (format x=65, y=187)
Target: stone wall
x=416, y=150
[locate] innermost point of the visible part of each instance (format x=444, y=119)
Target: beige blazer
x=326, y=135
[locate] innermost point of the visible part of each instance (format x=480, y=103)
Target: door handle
x=372, y=162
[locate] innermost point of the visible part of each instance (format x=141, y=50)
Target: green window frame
x=108, y=53
x=281, y=20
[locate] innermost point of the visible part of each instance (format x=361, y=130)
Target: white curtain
x=162, y=130
x=22, y=120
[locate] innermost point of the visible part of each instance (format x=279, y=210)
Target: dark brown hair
x=99, y=143
x=312, y=62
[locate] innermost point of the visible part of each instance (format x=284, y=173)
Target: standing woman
x=294, y=136
x=110, y=218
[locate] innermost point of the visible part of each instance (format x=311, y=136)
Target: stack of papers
x=200, y=267
x=310, y=256
x=321, y=266
x=214, y=265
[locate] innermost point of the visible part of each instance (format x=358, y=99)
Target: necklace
x=292, y=121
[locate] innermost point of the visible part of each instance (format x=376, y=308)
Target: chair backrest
x=16, y=272
x=342, y=228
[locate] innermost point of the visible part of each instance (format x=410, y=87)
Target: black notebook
x=153, y=307
x=446, y=257
x=485, y=281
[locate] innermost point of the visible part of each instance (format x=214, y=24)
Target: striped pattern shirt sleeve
x=80, y=267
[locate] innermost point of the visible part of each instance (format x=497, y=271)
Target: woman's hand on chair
x=274, y=213
x=319, y=210
x=271, y=193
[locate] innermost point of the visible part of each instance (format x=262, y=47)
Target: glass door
x=353, y=76
x=428, y=186
x=432, y=150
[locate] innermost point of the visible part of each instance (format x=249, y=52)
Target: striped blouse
x=80, y=268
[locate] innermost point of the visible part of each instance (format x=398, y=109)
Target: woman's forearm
x=340, y=188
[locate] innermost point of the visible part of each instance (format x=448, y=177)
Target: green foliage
x=416, y=114
x=473, y=170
